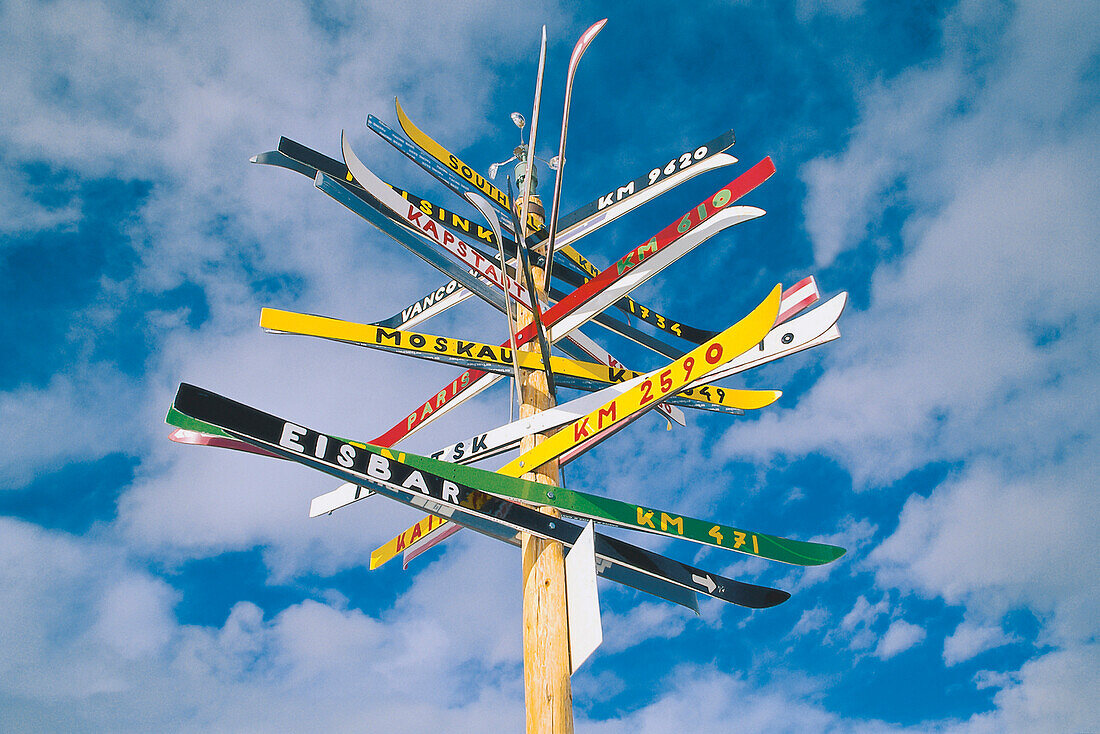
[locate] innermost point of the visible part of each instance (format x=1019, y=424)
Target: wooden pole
x=546, y=667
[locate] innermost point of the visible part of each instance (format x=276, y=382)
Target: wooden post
x=546, y=667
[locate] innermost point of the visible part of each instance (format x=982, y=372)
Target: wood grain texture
x=546, y=668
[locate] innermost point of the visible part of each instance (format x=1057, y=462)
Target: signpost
x=524, y=503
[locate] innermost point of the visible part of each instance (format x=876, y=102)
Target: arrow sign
x=705, y=581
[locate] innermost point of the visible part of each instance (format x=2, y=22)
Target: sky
x=937, y=161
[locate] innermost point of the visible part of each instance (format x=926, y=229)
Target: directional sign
x=578, y=504
x=658, y=385
x=297, y=157
x=389, y=474
x=570, y=372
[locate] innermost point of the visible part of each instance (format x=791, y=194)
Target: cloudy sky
x=936, y=160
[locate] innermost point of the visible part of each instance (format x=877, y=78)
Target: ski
x=629, y=272
x=813, y=329
x=390, y=474
x=442, y=164
x=414, y=219
x=385, y=219
x=816, y=327
x=482, y=205
x=574, y=61
x=297, y=157
x=577, y=504
x=610, y=512
x=656, y=386
x=523, y=206
x=570, y=373
x=804, y=332
x=525, y=264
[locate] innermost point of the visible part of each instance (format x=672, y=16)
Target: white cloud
x=704, y=699
x=863, y=613
x=996, y=543
x=642, y=622
x=81, y=415
x=89, y=639
x=857, y=627
x=1053, y=692
x=969, y=640
x=899, y=637
x=948, y=363
x=74, y=616
x=811, y=619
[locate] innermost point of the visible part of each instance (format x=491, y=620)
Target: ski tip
x=254, y=159
x=777, y=597
x=817, y=554
x=748, y=212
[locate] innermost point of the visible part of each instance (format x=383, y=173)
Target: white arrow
x=706, y=581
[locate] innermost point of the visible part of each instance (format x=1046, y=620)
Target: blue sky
x=938, y=162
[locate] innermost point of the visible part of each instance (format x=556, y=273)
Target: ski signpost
x=509, y=261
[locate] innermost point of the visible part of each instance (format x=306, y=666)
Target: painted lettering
x=394, y=336
x=486, y=352
x=676, y=522
x=291, y=434
x=378, y=467
x=415, y=480
x=449, y=492
x=346, y=457
x=581, y=429
x=610, y=411
x=645, y=517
